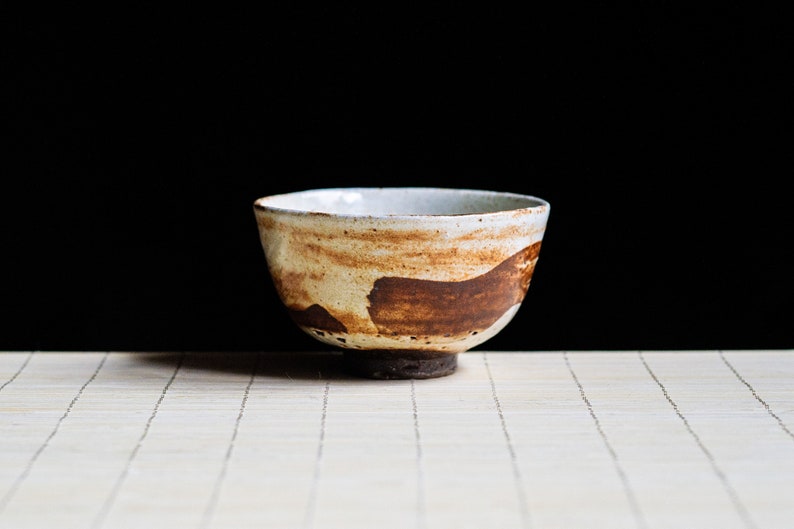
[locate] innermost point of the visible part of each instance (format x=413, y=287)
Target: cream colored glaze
x=333, y=260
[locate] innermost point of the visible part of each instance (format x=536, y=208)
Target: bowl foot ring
x=400, y=365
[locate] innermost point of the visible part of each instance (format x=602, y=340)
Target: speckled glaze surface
x=396, y=270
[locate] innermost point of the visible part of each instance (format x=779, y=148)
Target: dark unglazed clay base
x=394, y=365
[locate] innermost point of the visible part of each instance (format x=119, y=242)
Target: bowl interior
x=404, y=201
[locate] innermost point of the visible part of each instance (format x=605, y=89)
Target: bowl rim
x=535, y=203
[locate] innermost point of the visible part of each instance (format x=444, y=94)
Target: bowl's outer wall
x=429, y=283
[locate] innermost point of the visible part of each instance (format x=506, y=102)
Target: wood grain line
x=757, y=396
x=216, y=490
x=732, y=494
x=421, y=512
x=311, y=504
x=21, y=478
x=639, y=517
x=526, y=520
x=15, y=375
x=101, y=516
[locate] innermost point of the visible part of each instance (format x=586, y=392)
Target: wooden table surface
x=586, y=439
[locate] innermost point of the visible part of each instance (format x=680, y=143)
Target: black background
x=139, y=139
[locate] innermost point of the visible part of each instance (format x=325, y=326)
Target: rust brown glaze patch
x=290, y=286
x=316, y=317
x=407, y=306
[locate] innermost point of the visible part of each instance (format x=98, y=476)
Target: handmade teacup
x=402, y=279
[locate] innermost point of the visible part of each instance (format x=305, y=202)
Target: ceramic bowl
x=401, y=279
